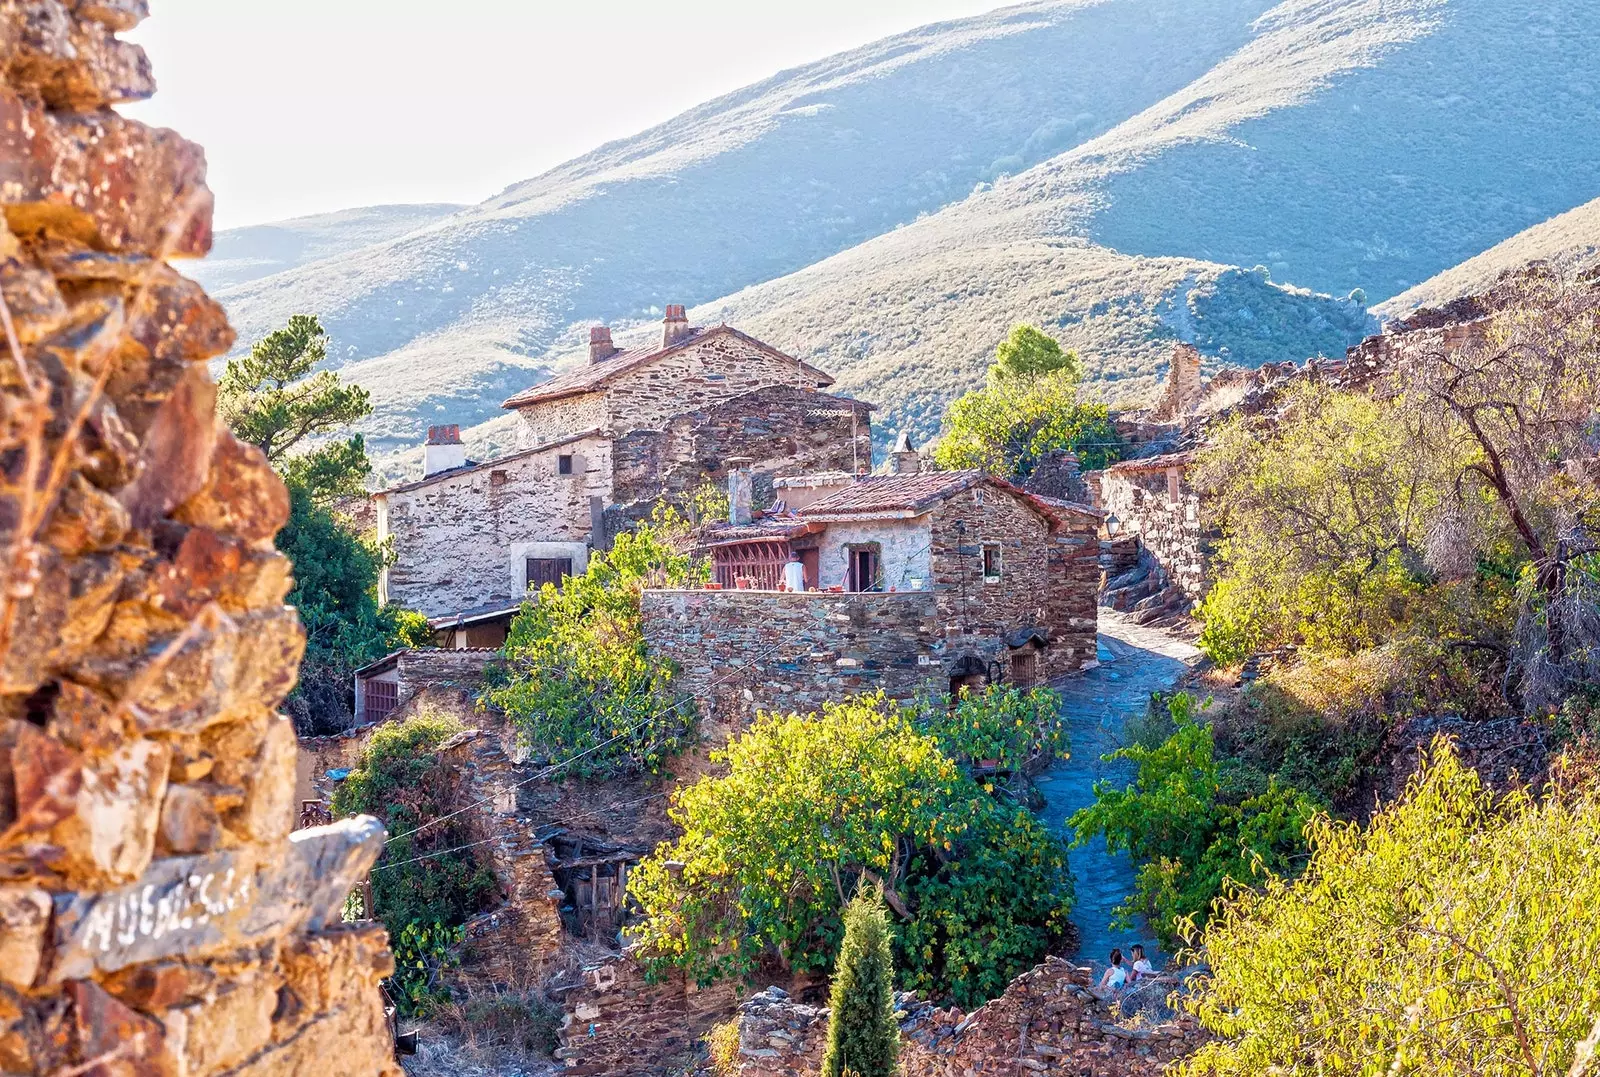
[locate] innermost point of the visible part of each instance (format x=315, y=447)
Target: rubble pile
x=156, y=917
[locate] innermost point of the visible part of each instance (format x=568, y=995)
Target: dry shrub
x=723, y=1044
x=503, y=1032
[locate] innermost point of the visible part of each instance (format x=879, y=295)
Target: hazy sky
x=312, y=105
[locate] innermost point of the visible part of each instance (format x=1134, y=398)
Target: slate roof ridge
x=591, y=377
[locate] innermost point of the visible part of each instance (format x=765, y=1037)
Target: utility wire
x=552, y=768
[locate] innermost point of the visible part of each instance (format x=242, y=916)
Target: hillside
x=1099, y=167
x=1571, y=239
x=244, y=254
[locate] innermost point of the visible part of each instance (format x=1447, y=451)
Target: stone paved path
x=1134, y=662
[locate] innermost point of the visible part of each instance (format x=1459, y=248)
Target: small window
x=497, y=477
x=1172, y=484
x=991, y=562
x=564, y=464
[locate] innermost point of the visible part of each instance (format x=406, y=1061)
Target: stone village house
x=599, y=447
x=914, y=582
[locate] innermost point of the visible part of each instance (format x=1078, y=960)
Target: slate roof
x=1155, y=463
x=894, y=493
x=591, y=377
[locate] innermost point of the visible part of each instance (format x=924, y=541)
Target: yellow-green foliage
x=1325, y=527
x=1028, y=408
x=863, y=1036
x=807, y=808
x=722, y=1045
x=1452, y=936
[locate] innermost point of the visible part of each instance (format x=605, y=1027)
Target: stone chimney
x=904, y=459
x=675, y=326
x=741, y=490
x=600, y=346
x=443, y=450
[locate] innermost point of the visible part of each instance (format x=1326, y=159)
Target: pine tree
x=863, y=1038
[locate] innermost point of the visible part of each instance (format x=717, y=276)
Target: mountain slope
x=1101, y=168
x=750, y=187
x=260, y=250
x=1571, y=239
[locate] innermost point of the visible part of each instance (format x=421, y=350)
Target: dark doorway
x=862, y=574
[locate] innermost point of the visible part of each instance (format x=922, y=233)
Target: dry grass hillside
x=1100, y=167
x=1571, y=239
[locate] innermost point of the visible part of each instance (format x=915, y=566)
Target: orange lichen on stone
x=156, y=916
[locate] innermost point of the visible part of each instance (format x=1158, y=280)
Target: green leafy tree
x=1454, y=935
x=1029, y=407
x=580, y=683
x=275, y=399
x=271, y=399
x=1030, y=352
x=863, y=1036
x=808, y=809
x=1194, y=830
x=1000, y=723
x=1326, y=520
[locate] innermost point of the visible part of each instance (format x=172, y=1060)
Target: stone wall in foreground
x=155, y=915
x=1046, y=1022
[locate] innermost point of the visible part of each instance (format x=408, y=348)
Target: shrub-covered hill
x=1570, y=239
x=1099, y=167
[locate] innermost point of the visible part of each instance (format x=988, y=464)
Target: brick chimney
x=675, y=326
x=600, y=346
x=741, y=489
x=443, y=450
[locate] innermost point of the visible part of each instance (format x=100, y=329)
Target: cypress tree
x=863, y=1038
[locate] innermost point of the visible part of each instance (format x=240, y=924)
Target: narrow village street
x=1134, y=662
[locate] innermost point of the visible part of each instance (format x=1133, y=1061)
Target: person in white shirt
x=1116, y=975
x=1142, y=969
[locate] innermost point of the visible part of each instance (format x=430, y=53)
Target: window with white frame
x=991, y=562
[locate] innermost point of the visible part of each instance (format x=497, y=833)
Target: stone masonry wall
x=461, y=541
x=1046, y=580
x=1140, y=502
x=743, y=651
x=553, y=419
x=780, y=429
x=1047, y=1021
x=718, y=367
x=156, y=917
x=620, y=1024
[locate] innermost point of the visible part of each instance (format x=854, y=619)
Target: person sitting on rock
x=1142, y=969
x=1115, y=976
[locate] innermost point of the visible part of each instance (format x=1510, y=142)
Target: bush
x=424, y=883
x=1006, y=724
x=1195, y=824
x=1454, y=935
x=580, y=683
x=722, y=1044
x=863, y=1036
x=811, y=806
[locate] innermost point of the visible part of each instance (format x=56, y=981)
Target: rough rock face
x=155, y=915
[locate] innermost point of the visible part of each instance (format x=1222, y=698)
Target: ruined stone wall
x=1184, y=387
x=1139, y=502
x=462, y=541
x=1047, y=1021
x=718, y=367
x=550, y=420
x=155, y=915
x=620, y=1024
x=1046, y=581
x=780, y=429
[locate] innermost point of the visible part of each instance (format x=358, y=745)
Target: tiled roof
x=593, y=376
x=893, y=493
x=766, y=527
